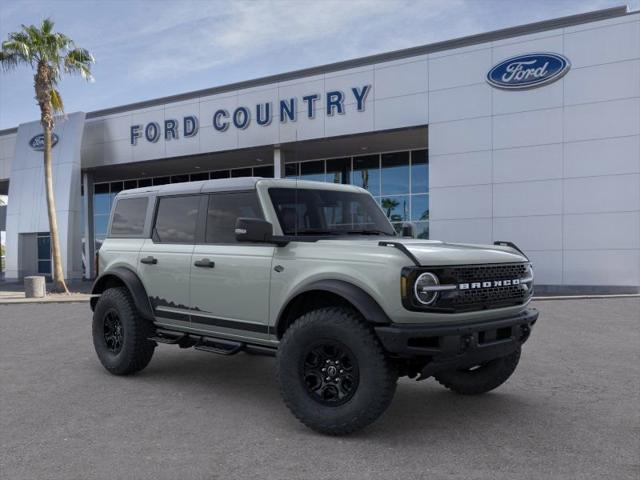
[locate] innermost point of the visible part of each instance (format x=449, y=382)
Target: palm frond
x=79, y=61
x=56, y=101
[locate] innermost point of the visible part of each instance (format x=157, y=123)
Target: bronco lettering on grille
x=489, y=284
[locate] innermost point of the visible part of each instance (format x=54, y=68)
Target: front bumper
x=448, y=347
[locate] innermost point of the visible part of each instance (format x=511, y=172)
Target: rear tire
x=120, y=334
x=481, y=379
x=358, y=381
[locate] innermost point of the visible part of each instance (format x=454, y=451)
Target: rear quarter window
x=129, y=217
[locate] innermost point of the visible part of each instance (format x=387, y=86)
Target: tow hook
x=525, y=332
x=468, y=341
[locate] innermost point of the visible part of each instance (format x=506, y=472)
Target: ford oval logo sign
x=528, y=71
x=37, y=142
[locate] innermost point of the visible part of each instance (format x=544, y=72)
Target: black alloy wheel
x=330, y=373
x=113, y=332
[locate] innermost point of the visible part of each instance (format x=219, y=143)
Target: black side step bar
x=168, y=337
x=402, y=248
x=219, y=346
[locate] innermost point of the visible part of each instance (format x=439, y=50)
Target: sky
x=150, y=49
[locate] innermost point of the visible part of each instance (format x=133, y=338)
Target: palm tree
x=50, y=54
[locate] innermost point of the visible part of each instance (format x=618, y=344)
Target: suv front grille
x=483, y=296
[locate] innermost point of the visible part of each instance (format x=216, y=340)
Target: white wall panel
x=472, y=168
x=602, y=82
x=542, y=232
x=459, y=103
x=549, y=96
x=617, y=193
x=603, y=45
x=401, y=112
x=547, y=266
x=351, y=122
x=608, y=156
x=602, y=231
x=547, y=41
x=601, y=120
x=602, y=267
x=346, y=82
x=475, y=230
x=460, y=136
x=540, y=162
x=527, y=198
x=399, y=80
x=527, y=128
x=456, y=70
x=460, y=202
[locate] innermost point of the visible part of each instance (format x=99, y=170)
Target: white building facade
x=529, y=134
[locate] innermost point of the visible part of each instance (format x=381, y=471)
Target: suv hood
x=434, y=252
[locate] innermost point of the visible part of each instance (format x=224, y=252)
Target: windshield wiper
x=369, y=232
x=316, y=231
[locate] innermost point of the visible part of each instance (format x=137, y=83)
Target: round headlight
x=423, y=290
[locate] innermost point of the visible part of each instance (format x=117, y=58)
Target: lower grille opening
x=424, y=342
x=503, y=333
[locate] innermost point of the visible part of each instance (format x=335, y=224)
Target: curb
x=20, y=301
x=584, y=297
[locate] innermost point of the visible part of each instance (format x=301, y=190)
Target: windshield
x=328, y=212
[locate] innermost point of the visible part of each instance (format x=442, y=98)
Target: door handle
x=205, y=262
x=149, y=260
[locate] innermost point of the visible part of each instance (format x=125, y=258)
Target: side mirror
x=408, y=230
x=253, y=230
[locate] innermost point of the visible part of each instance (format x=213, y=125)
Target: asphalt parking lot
x=572, y=410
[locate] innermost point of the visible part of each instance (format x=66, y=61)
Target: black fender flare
x=133, y=284
x=361, y=300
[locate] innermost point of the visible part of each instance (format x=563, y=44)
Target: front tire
x=120, y=334
x=333, y=373
x=480, y=379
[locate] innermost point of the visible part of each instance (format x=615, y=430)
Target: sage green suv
x=314, y=274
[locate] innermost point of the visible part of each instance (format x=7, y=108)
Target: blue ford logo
x=528, y=71
x=37, y=142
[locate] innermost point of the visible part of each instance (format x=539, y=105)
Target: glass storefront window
x=219, y=174
x=101, y=199
x=366, y=173
x=44, y=253
x=265, y=171
x=419, y=207
x=419, y=171
x=161, y=180
x=129, y=184
x=145, y=182
x=338, y=170
x=313, y=171
x=179, y=178
x=396, y=208
x=196, y=177
x=291, y=170
x=395, y=173
x=100, y=223
x=240, y=172
x=422, y=230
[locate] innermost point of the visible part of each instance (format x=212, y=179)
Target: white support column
x=87, y=221
x=278, y=163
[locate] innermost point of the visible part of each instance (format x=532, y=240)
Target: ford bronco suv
x=314, y=274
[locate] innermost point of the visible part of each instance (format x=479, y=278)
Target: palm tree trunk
x=59, y=284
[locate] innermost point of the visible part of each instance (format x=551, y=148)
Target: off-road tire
x=136, y=350
x=377, y=376
x=482, y=379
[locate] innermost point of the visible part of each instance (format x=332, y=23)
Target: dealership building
x=529, y=134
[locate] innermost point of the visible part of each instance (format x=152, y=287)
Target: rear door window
x=176, y=219
x=224, y=209
x=129, y=217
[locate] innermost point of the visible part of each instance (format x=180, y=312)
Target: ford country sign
x=528, y=71
x=37, y=142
